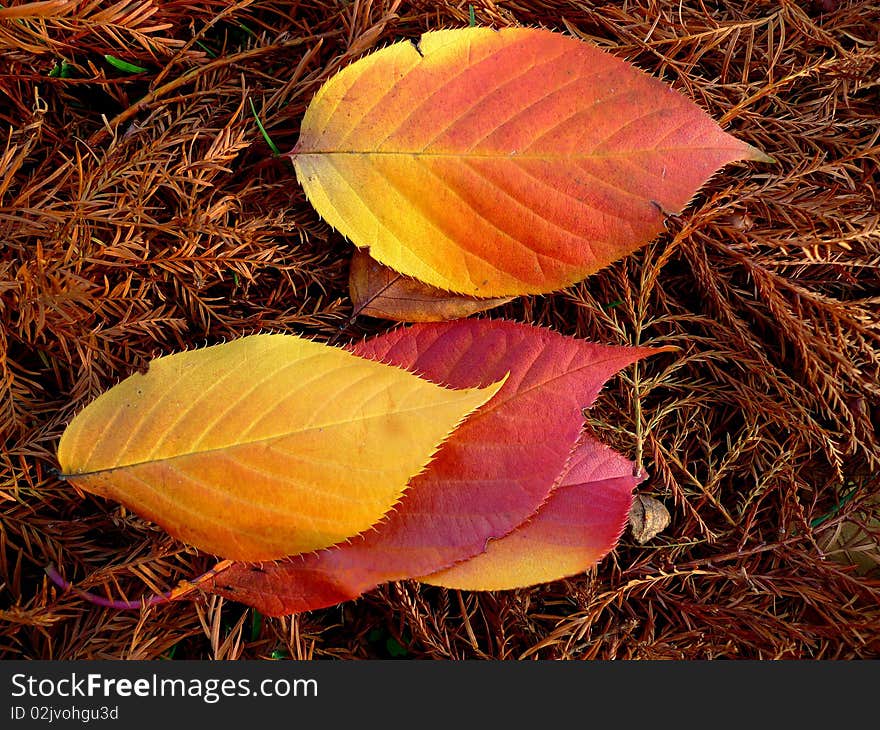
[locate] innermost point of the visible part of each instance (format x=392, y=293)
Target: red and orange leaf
x=503, y=162
x=486, y=479
x=581, y=521
x=263, y=447
x=379, y=291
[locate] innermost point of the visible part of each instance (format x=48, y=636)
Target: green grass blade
x=272, y=145
x=61, y=70
x=125, y=66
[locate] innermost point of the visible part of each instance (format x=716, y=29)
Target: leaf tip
x=663, y=348
x=754, y=154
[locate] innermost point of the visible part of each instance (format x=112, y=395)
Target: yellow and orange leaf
x=495, y=163
x=378, y=291
x=263, y=447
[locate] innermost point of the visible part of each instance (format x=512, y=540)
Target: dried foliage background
x=141, y=213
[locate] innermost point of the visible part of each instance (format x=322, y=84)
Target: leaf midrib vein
x=508, y=156
x=264, y=440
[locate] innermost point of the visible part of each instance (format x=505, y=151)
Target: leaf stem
x=183, y=589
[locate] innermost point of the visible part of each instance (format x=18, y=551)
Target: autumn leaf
x=853, y=539
x=580, y=522
x=378, y=291
x=503, y=162
x=486, y=479
x=263, y=447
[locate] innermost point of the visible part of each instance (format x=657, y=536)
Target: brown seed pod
x=647, y=518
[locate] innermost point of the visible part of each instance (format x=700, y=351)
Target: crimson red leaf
x=490, y=476
x=580, y=522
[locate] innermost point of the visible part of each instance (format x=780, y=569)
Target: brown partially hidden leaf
x=855, y=539
x=379, y=291
x=648, y=517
